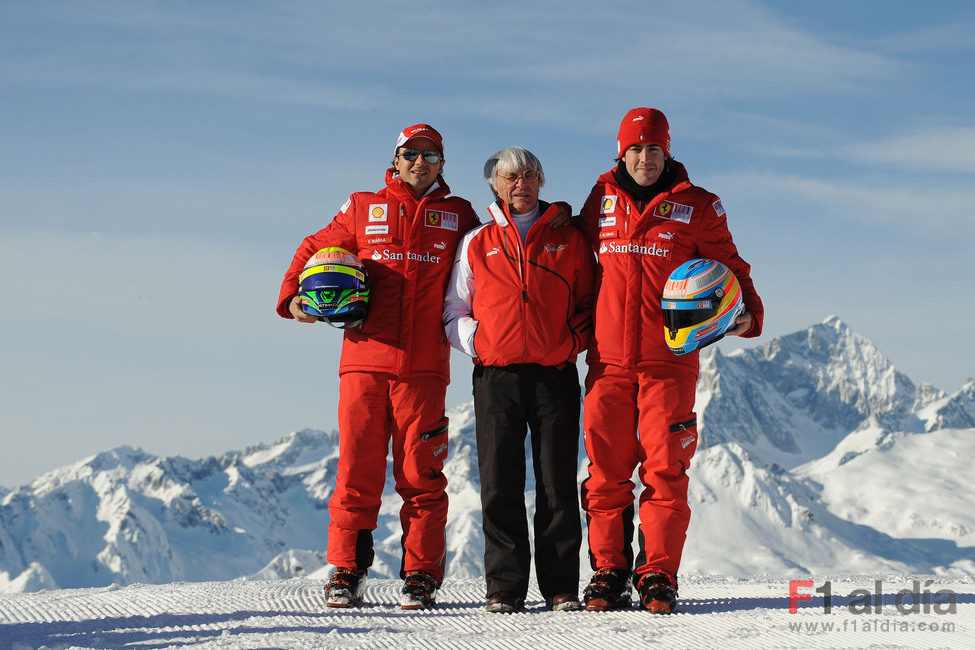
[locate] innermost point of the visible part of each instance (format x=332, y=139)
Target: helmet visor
x=679, y=314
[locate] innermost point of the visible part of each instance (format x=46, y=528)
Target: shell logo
x=378, y=211
x=607, y=204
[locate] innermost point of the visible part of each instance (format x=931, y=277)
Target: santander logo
x=653, y=249
x=386, y=254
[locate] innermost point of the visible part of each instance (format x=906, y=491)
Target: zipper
x=683, y=426
x=439, y=431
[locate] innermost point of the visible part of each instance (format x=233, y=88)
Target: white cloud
x=957, y=35
x=360, y=56
x=931, y=212
x=950, y=149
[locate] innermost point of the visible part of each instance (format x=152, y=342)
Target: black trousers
x=546, y=400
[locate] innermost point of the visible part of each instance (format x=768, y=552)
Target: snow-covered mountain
x=816, y=455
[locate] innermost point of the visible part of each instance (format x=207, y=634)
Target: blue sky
x=160, y=161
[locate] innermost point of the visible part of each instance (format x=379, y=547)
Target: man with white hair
x=519, y=303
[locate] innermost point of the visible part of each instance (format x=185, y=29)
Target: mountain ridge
x=779, y=423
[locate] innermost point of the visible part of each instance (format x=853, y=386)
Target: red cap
x=420, y=131
x=643, y=126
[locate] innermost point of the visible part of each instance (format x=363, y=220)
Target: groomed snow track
x=715, y=612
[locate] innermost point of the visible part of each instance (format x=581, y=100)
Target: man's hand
x=563, y=216
x=295, y=308
x=742, y=324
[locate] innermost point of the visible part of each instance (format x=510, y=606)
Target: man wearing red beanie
x=394, y=368
x=644, y=218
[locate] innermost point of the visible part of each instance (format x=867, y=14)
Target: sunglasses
x=529, y=175
x=429, y=155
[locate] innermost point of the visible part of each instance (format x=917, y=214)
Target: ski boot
x=345, y=588
x=658, y=593
x=608, y=589
x=419, y=591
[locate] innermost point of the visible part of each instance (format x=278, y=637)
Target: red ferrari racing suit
x=394, y=368
x=635, y=383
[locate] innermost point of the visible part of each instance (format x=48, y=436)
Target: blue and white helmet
x=701, y=300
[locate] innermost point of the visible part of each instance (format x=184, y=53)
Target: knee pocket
x=430, y=449
x=682, y=440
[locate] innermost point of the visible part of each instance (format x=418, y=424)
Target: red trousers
x=375, y=409
x=644, y=419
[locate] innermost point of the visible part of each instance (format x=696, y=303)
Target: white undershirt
x=524, y=221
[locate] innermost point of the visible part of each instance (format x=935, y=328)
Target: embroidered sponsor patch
x=607, y=222
x=379, y=240
x=609, y=204
x=441, y=245
x=554, y=248
x=377, y=211
x=441, y=219
x=653, y=250
x=674, y=211
x=665, y=235
x=345, y=206
x=399, y=256
x=687, y=440
x=377, y=230
x=493, y=251
x=718, y=208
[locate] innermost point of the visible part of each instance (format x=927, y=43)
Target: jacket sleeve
x=583, y=294
x=340, y=232
x=458, y=319
x=716, y=243
x=469, y=220
x=588, y=219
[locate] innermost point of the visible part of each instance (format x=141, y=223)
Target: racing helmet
x=334, y=286
x=701, y=300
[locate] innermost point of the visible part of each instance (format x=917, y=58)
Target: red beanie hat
x=420, y=131
x=643, y=126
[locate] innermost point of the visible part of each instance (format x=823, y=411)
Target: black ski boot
x=658, y=593
x=345, y=588
x=608, y=589
x=419, y=591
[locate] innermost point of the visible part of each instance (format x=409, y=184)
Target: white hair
x=512, y=159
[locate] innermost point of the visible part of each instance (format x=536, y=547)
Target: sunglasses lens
x=431, y=157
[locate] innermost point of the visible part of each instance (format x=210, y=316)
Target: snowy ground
x=715, y=612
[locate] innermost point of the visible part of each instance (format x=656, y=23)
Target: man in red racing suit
x=644, y=218
x=394, y=367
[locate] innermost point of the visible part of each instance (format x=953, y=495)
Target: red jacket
x=511, y=302
x=636, y=253
x=408, y=246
